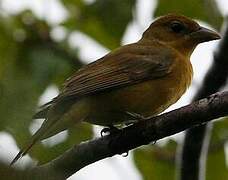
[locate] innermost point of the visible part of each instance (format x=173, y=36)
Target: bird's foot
x=125, y=154
x=212, y=97
x=109, y=130
x=137, y=117
x=153, y=142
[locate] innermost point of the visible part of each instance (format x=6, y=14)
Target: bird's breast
x=154, y=96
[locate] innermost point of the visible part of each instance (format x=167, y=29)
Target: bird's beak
x=203, y=35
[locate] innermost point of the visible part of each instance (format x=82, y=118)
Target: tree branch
x=194, y=149
x=136, y=135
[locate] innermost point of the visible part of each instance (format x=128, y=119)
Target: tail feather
x=51, y=115
x=38, y=135
x=22, y=153
x=35, y=138
x=43, y=111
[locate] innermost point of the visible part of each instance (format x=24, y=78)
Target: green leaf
x=156, y=162
x=216, y=161
x=216, y=165
x=28, y=66
x=103, y=20
x=204, y=10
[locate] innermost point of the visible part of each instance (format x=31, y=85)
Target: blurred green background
x=36, y=54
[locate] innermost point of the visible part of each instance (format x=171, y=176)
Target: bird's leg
x=110, y=130
x=136, y=117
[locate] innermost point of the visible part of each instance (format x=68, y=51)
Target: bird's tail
x=47, y=129
x=23, y=152
x=35, y=138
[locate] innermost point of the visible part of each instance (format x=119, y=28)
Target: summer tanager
x=142, y=78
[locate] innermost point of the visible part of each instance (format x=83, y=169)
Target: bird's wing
x=115, y=71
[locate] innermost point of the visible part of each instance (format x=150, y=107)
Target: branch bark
x=131, y=137
x=194, y=149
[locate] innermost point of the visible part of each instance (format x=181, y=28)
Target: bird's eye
x=177, y=27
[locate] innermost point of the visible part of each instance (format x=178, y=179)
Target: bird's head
x=180, y=32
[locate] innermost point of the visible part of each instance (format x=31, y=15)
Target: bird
x=142, y=78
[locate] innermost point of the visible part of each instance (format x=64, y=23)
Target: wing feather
x=115, y=71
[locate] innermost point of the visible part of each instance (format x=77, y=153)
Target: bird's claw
x=136, y=116
x=125, y=154
x=109, y=130
x=212, y=98
x=153, y=142
x=104, y=131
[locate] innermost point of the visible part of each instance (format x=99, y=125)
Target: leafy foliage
x=216, y=153
x=155, y=161
x=103, y=20
x=28, y=67
x=31, y=61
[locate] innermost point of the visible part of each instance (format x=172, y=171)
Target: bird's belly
x=148, y=99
